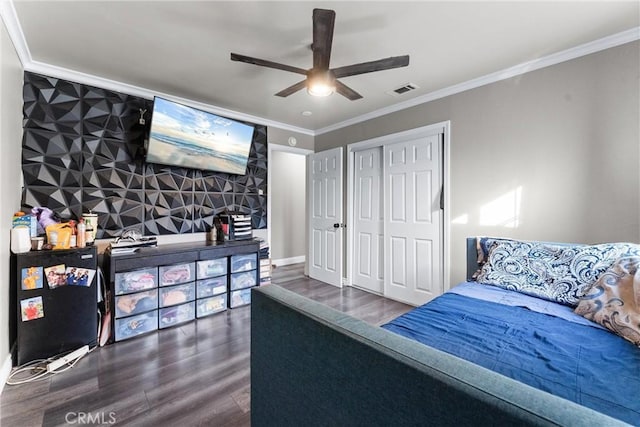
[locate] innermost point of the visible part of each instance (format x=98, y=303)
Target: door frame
x=271, y=147
x=440, y=127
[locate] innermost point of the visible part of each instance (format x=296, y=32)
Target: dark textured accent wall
x=82, y=149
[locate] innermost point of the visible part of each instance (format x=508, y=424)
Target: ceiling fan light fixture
x=321, y=80
x=320, y=89
x=321, y=84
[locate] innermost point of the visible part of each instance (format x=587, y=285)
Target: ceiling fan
x=320, y=79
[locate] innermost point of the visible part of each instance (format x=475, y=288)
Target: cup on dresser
x=37, y=243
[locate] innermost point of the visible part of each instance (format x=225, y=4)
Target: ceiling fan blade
x=323, y=21
x=346, y=91
x=292, y=89
x=265, y=63
x=369, y=67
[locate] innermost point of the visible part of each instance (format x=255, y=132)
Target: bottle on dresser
x=73, y=241
x=89, y=236
x=81, y=234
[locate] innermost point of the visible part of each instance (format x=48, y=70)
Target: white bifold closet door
x=368, y=236
x=413, y=220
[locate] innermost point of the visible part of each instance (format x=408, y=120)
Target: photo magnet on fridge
x=31, y=308
x=77, y=276
x=56, y=276
x=32, y=278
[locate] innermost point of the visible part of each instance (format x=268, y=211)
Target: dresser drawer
x=177, y=273
x=135, y=280
x=212, y=268
x=241, y=263
x=243, y=280
x=129, y=327
x=210, y=287
x=239, y=298
x=170, y=316
x=178, y=294
x=208, y=306
x=139, y=302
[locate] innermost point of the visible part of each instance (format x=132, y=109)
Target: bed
x=479, y=354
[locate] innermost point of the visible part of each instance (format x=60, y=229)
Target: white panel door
x=413, y=220
x=325, y=222
x=368, y=237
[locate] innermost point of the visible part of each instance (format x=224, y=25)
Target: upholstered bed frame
x=312, y=365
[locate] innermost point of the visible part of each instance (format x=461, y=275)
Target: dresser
x=159, y=287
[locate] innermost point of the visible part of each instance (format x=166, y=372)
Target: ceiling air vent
x=403, y=89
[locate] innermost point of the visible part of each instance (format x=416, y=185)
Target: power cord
x=38, y=369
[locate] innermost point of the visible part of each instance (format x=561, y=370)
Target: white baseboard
x=288, y=261
x=5, y=371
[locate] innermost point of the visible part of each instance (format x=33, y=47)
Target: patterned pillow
x=553, y=272
x=483, y=246
x=614, y=300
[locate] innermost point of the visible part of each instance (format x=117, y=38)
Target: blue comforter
x=585, y=364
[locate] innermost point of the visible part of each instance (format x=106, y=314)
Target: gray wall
x=10, y=171
x=565, y=138
x=288, y=212
x=280, y=136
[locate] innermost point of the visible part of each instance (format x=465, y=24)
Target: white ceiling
x=181, y=48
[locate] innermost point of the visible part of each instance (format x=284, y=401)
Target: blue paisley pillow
x=484, y=245
x=557, y=273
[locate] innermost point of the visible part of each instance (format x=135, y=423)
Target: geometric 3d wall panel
x=83, y=149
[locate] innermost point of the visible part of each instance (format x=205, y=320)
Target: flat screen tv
x=187, y=137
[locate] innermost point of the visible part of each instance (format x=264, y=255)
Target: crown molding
x=10, y=19
x=92, y=80
x=614, y=40
x=11, y=22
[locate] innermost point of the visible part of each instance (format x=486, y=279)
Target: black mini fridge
x=53, y=302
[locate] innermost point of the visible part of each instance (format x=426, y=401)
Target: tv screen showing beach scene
x=187, y=137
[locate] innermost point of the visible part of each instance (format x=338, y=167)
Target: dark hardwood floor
x=196, y=374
